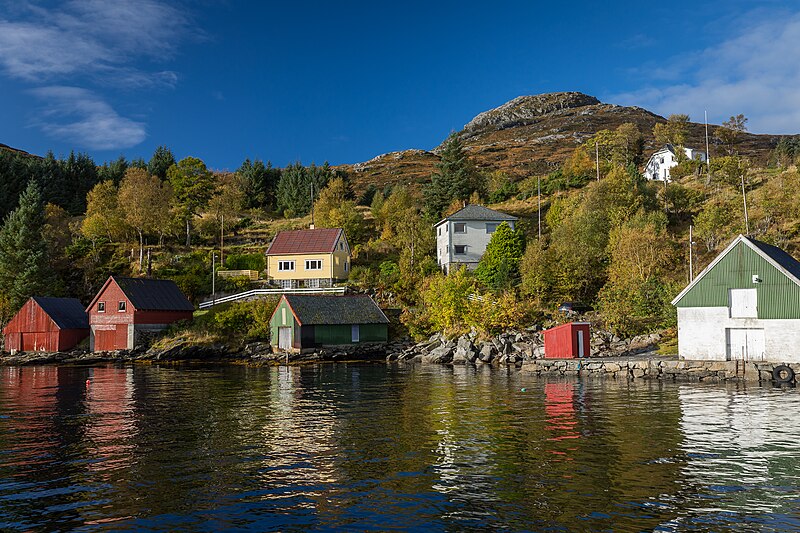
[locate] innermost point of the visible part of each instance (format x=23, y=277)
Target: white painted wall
x=660, y=162
x=701, y=335
x=475, y=239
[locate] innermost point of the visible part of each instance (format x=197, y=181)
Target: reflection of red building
x=47, y=325
x=559, y=406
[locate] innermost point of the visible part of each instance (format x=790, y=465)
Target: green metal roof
x=356, y=309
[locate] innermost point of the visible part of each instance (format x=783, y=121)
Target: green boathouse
x=744, y=306
x=303, y=322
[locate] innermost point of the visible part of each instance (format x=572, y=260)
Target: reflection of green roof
x=358, y=309
x=478, y=212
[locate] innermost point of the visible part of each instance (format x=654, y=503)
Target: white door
x=284, y=338
x=743, y=303
x=746, y=344
x=355, y=331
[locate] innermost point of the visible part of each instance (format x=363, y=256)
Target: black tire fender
x=783, y=374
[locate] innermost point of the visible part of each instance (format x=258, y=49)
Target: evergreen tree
x=259, y=182
x=24, y=268
x=499, y=266
x=113, y=170
x=160, y=162
x=294, y=187
x=455, y=178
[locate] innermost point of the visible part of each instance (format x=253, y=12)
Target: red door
x=107, y=340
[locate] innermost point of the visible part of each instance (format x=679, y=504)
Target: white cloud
x=754, y=72
x=90, y=43
x=89, y=37
x=77, y=115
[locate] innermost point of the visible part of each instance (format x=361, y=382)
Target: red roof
x=304, y=241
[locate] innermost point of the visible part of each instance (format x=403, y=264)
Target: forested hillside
x=618, y=242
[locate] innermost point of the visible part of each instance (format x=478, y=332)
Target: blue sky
x=346, y=81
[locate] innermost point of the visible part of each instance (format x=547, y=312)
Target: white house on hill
x=745, y=305
x=658, y=165
x=462, y=237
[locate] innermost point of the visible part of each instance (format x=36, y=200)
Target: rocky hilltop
x=527, y=109
x=533, y=134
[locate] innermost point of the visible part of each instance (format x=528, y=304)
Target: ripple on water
x=373, y=447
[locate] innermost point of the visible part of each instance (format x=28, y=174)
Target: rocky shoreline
x=183, y=351
x=515, y=348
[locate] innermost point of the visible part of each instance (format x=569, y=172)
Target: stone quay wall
x=658, y=368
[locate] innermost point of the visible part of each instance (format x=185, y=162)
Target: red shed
x=567, y=341
x=47, y=325
x=126, y=309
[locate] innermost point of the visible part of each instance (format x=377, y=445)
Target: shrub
x=245, y=262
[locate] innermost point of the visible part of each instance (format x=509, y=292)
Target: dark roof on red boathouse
x=305, y=241
x=67, y=313
x=147, y=294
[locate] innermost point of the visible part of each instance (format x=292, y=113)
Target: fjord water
x=375, y=447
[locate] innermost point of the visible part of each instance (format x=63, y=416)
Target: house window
x=287, y=283
x=461, y=249
x=743, y=303
x=460, y=227
x=662, y=160
x=121, y=307
x=345, y=266
x=285, y=265
x=313, y=264
x=440, y=230
x=491, y=227
x=312, y=283
x=283, y=316
x=341, y=246
x=101, y=307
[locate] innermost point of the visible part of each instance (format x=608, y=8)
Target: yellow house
x=308, y=258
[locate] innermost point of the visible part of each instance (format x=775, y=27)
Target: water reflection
x=357, y=447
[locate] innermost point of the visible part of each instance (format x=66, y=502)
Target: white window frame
x=457, y=246
x=493, y=226
x=310, y=264
x=101, y=307
x=457, y=224
x=122, y=306
x=285, y=266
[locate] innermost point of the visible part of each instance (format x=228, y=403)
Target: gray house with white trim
x=462, y=237
x=745, y=305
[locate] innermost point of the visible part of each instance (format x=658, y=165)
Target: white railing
x=254, y=293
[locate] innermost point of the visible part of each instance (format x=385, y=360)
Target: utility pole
x=312, y=205
x=708, y=152
x=222, y=241
x=539, y=190
x=213, y=279
x=744, y=199
x=597, y=158
x=691, y=254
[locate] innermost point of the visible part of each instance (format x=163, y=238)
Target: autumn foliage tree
x=144, y=202
x=193, y=185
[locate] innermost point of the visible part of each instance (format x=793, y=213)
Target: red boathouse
x=47, y=325
x=125, y=309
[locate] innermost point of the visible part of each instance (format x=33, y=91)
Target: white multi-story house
x=658, y=165
x=462, y=237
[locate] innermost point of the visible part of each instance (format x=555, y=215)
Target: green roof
x=316, y=310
